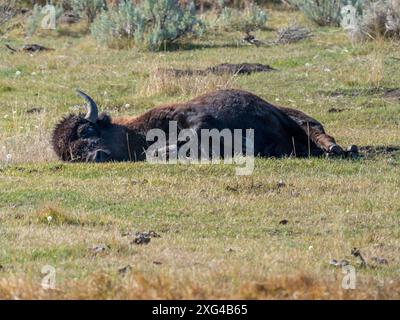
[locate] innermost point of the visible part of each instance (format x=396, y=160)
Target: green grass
x=220, y=233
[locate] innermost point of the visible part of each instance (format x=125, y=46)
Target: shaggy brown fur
x=225, y=68
x=278, y=132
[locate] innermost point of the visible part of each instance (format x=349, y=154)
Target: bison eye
x=87, y=132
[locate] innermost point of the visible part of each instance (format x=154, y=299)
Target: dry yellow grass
x=27, y=138
x=104, y=286
x=161, y=82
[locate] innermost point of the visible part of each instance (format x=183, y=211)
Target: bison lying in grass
x=278, y=131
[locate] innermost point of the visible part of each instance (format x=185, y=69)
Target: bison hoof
x=334, y=151
x=352, y=152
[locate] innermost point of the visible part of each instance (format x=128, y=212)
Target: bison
x=278, y=131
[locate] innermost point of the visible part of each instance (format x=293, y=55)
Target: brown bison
x=278, y=131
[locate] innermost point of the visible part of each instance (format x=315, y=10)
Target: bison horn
x=93, y=111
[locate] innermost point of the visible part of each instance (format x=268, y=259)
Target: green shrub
x=325, y=12
x=322, y=12
x=122, y=23
x=7, y=10
x=152, y=24
x=33, y=22
x=88, y=8
x=380, y=18
x=250, y=19
x=393, y=19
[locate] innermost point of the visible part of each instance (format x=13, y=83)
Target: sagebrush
x=380, y=18
x=322, y=12
x=250, y=19
x=88, y=8
x=7, y=10
x=151, y=24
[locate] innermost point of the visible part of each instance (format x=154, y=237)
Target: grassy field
x=220, y=235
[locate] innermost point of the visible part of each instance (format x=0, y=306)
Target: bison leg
x=315, y=131
x=324, y=141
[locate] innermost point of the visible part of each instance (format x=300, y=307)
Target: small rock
x=141, y=238
x=154, y=234
x=34, y=110
x=281, y=184
x=98, y=248
x=334, y=110
x=339, y=264
x=124, y=270
x=150, y=234
x=333, y=262
x=294, y=193
x=283, y=222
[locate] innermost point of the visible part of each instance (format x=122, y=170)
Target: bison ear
x=104, y=119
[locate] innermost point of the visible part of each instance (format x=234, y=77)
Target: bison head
x=82, y=137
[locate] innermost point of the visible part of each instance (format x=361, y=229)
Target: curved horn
x=93, y=111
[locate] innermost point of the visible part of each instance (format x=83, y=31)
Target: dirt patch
x=336, y=110
x=69, y=17
x=34, y=110
x=225, y=68
x=374, y=151
x=29, y=48
x=392, y=94
x=355, y=92
x=387, y=93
